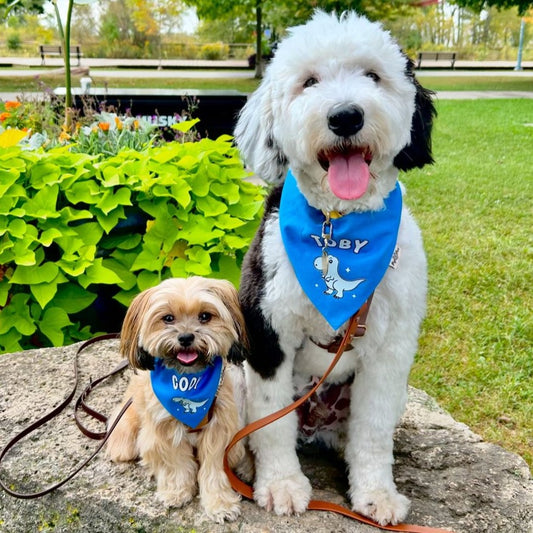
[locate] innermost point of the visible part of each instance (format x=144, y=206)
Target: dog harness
x=338, y=261
x=188, y=397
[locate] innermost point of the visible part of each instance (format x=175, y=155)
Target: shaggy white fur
x=338, y=89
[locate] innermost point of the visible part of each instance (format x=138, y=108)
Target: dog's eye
x=373, y=76
x=309, y=82
x=168, y=319
x=204, y=317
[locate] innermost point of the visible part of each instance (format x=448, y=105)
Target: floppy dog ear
x=255, y=137
x=418, y=152
x=129, y=335
x=228, y=295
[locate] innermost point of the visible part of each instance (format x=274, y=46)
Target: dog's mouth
x=348, y=171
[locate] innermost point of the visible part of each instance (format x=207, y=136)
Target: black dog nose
x=186, y=339
x=345, y=121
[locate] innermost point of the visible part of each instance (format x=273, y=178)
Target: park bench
x=437, y=56
x=57, y=50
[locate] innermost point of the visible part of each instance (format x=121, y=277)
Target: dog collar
x=338, y=261
x=187, y=396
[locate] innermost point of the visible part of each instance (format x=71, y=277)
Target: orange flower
x=135, y=125
x=10, y=105
x=104, y=126
x=4, y=115
x=64, y=136
x=119, y=124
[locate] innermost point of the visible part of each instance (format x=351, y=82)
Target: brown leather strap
x=49, y=416
x=317, y=505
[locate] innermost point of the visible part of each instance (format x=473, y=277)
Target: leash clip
x=327, y=233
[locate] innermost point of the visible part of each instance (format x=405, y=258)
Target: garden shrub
x=214, y=51
x=74, y=225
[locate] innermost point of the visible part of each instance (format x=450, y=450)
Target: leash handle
x=354, y=328
x=54, y=412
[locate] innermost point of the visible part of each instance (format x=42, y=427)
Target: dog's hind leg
x=122, y=443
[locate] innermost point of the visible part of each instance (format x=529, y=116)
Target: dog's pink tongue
x=348, y=176
x=186, y=358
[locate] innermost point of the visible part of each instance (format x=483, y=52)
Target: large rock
x=454, y=479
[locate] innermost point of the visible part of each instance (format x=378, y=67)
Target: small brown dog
x=188, y=398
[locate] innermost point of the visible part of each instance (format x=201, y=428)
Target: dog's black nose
x=186, y=339
x=345, y=121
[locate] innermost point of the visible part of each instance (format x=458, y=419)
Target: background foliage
x=77, y=230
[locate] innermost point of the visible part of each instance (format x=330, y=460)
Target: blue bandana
x=338, y=262
x=187, y=397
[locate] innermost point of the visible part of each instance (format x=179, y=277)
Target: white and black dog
x=338, y=114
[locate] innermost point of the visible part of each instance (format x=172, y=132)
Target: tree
x=279, y=15
x=12, y=7
x=478, y=5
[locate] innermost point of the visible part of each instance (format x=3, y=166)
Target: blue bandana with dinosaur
x=187, y=396
x=338, y=273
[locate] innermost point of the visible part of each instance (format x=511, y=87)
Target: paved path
x=92, y=62
x=101, y=68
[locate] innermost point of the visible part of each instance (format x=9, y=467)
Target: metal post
x=520, y=44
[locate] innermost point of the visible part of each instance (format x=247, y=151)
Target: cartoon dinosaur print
x=188, y=405
x=336, y=285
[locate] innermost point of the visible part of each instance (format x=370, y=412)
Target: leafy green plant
x=73, y=224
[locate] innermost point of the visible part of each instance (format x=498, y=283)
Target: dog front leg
x=377, y=402
x=280, y=484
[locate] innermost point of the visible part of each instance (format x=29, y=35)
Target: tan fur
x=184, y=462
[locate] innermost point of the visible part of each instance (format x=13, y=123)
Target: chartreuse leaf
x=185, y=126
x=108, y=222
x=17, y=315
x=227, y=191
x=8, y=176
x=43, y=204
x=44, y=173
x=4, y=292
x=72, y=298
x=87, y=192
x=99, y=272
x=211, y=207
x=199, y=261
x=44, y=292
x=45, y=273
x=52, y=323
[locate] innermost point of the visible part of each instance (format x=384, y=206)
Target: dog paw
x=286, y=496
x=222, y=508
x=382, y=506
x=176, y=497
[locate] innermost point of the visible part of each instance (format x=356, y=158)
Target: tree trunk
x=258, y=47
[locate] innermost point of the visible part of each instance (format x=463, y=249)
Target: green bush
x=214, y=51
x=73, y=224
x=13, y=42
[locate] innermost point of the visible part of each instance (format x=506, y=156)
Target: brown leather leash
x=80, y=404
x=356, y=328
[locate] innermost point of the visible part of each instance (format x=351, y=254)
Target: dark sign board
x=217, y=110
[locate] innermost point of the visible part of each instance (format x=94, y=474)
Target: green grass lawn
x=475, y=208
x=436, y=83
